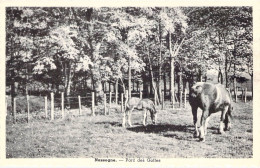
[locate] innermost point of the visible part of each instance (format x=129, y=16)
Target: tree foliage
x=62, y=46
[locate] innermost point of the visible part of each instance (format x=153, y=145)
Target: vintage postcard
x=130, y=83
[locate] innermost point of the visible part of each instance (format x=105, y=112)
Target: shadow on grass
x=167, y=130
x=160, y=128
x=114, y=124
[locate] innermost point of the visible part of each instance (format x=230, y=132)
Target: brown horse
x=210, y=99
x=139, y=104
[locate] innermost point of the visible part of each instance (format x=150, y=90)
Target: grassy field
x=102, y=136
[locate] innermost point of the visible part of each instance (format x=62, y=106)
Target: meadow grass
x=89, y=136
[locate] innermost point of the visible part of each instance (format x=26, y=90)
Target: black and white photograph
x=129, y=83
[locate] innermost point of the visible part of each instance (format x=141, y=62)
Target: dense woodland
x=80, y=49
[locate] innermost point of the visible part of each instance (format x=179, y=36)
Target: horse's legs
x=129, y=117
x=221, y=125
x=204, y=117
x=153, y=116
x=195, y=119
x=124, y=117
x=145, y=117
x=227, y=119
x=206, y=124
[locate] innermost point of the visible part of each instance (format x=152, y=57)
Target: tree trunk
x=99, y=92
x=69, y=80
x=152, y=80
x=184, y=83
x=129, y=75
x=227, y=80
x=180, y=85
x=12, y=94
x=123, y=85
x=103, y=86
x=96, y=79
x=199, y=76
x=165, y=86
x=151, y=85
x=172, y=70
x=145, y=87
x=235, y=88
x=191, y=81
x=109, y=87
x=116, y=91
x=12, y=76
x=220, y=76
x=57, y=88
x=160, y=65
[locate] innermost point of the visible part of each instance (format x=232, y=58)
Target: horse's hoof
x=221, y=132
x=202, y=139
x=196, y=135
x=227, y=129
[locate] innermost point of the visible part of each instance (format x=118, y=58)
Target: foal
x=140, y=104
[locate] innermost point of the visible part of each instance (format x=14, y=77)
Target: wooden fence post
x=110, y=100
x=79, y=105
x=141, y=94
x=180, y=99
x=235, y=90
x=122, y=109
x=62, y=105
x=28, y=107
x=105, y=103
x=93, y=104
x=46, y=107
x=116, y=97
x=126, y=98
x=185, y=97
x=122, y=102
x=14, y=112
x=52, y=106
x=162, y=100
x=245, y=94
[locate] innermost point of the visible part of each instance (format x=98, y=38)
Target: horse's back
x=148, y=104
x=133, y=102
x=137, y=103
x=213, y=96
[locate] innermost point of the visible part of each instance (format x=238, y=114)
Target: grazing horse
x=210, y=99
x=139, y=104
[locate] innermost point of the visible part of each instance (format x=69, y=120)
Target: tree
x=175, y=24
x=223, y=25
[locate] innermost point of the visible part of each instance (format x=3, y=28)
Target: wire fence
x=26, y=108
